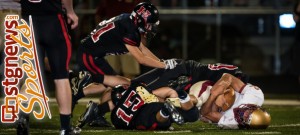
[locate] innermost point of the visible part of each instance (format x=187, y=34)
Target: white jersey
x=250, y=94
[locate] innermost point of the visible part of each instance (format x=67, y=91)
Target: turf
x=285, y=120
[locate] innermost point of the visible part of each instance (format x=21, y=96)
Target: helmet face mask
x=145, y=16
x=151, y=30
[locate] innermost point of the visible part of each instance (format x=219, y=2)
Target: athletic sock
x=65, y=121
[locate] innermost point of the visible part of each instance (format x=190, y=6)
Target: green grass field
x=285, y=120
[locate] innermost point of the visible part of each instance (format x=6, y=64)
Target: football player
x=135, y=108
x=157, y=80
x=238, y=109
x=126, y=33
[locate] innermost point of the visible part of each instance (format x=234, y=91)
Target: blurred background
x=256, y=35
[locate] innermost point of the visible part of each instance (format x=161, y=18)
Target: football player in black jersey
x=157, y=78
x=126, y=33
x=50, y=19
x=135, y=108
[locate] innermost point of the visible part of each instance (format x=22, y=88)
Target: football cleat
x=100, y=121
x=174, y=114
x=88, y=115
x=23, y=124
x=180, y=83
x=72, y=131
x=78, y=83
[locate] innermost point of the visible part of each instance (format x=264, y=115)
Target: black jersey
x=213, y=72
x=157, y=78
x=124, y=113
x=110, y=37
x=41, y=7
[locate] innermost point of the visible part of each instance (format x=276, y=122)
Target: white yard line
x=281, y=102
x=287, y=125
x=173, y=132
x=262, y=133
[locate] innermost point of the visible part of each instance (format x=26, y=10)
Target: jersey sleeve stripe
x=241, y=90
x=129, y=41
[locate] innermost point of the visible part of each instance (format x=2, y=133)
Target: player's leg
x=158, y=78
x=79, y=90
x=114, y=80
x=165, y=92
x=102, y=109
x=180, y=85
x=157, y=116
x=58, y=49
x=94, y=114
x=101, y=71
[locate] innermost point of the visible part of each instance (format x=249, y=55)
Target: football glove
x=170, y=63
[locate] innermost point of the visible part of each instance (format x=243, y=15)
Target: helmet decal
x=143, y=13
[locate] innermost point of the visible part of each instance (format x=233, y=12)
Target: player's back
x=212, y=72
x=124, y=113
x=110, y=37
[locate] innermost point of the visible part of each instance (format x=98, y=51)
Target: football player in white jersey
x=243, y=112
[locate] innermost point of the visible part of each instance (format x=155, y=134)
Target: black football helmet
x=117, y=93
x=145, y=16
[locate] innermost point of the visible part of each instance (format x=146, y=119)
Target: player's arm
x=208, y=110
x=142, y=55
x=72, y=17
x=234, y=82
x=147, y=52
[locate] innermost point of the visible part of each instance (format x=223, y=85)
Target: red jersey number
x=102, y=30
x=133, y=104
x=219, y=66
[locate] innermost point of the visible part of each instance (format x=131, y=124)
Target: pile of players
x=212, y=93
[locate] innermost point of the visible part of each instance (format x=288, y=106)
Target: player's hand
x=72, y=19
x=170, y=63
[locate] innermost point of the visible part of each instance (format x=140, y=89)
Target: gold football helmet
x=229, y=96
x=259, y=119
x=252, y=116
